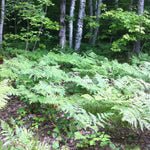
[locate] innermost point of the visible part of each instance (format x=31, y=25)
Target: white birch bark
x=91, y=14
x=91, y=7
x=97, y=16
x=72, y=7
x=62, y=31
x=140, y=7
x=80, y=25
x=2, y=20
x=137, y=47
x=96, y=7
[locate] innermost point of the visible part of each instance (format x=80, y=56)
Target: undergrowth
x=20, y=138
x=4, y=90
x=92, y=89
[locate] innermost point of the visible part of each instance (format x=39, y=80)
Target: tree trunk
x=96, y=7
x=71, y=23
x=27, y=40
x=2, y=20
x=62, y=31
x=137, y=47
x=40, y=30
x=97, y=16
x=130, y=5
x=140, y=7
x=15, y=24
x=116, y=3
x=91, y=14
x=80, y=25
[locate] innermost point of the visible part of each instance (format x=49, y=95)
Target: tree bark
x=71, y=22
x=96, y=7
x=2, y=20
x=140, y=7
x=27, y=40
x=137, y=47
x=80, y=25
x=62, y=31
x=130, y=5
x=91, y=14
x=97, y=16
x=116, y=4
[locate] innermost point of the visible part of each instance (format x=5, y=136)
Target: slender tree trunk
x=2, y=20
x=15, y=24
x=116, y=4
x=137, y=47
x=71, y=22
x=80, y=25
x=27, y=42
x=130, y=5
x=91, y=14
x=28, y=29
x=62, y=31
x=97, y=16
x=91, y=7
x=96, y=7
x=40, y=30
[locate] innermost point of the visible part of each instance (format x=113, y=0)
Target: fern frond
x=20, y=138
x=4, y=90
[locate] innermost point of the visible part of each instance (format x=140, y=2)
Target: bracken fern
x=101, y=89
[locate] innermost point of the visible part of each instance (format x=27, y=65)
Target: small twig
x=43, y=128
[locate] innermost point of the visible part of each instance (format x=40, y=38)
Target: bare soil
x=122, y=137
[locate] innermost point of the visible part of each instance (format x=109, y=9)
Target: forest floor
x=123, y=138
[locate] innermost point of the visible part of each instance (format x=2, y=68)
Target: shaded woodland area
x=75, y=75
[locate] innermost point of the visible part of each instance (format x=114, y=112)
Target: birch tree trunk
x=137, y=47
x=140, y=7
x=71, y=22
x=2, y=20
x=80, y=25
x=91, y=14
x=96, y=7
x=130, y=5
x=62, y=31
x=97, y=16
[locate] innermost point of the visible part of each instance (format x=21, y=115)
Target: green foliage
x=19, y=138
x=92, y=139
x=13, y=52
x=35, y=18
x=4, y=91
x=123, y=20
x=56, y=145
x=123, y=27
x=90, y=88
x=130, y=23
